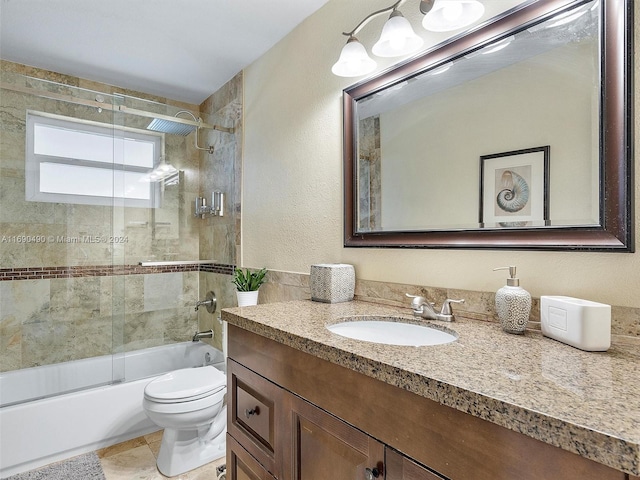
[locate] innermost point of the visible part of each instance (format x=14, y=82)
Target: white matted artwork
x=514, y=188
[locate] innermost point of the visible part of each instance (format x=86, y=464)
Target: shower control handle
x=250, y=412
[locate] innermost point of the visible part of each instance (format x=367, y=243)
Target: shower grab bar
x=174, y=262
x=108, y=106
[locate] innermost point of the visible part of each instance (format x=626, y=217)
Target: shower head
x=167, y=126
x=179, y=126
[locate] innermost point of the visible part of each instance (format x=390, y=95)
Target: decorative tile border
x=217, y=268
x=43, y=273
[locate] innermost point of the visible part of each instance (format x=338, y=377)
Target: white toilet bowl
x=189, y=405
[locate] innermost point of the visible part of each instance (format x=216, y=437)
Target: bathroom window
x=83, y=162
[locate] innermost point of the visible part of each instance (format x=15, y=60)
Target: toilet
x=189, y=405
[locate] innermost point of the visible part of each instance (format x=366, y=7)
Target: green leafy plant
x=248, y=281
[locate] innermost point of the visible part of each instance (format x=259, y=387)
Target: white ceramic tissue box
x=332, y=282
x=580, y=323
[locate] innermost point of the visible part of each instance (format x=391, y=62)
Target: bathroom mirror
x=516, y=134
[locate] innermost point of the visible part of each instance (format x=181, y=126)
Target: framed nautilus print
x=514, y=188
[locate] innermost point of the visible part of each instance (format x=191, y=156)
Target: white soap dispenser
x=513, y=304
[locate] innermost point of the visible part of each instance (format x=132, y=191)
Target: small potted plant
x=247, y=284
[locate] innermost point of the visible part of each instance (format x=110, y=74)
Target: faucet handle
x=446, y=306
x=416, y=301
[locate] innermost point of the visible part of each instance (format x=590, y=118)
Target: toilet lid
x=186, y=384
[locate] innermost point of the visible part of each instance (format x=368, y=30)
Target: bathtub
x=40, y=425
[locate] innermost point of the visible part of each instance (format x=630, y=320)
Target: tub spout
x=199, y=335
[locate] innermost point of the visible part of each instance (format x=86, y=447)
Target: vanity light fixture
x=354, y=60
x=398, y=38
x=447, y=15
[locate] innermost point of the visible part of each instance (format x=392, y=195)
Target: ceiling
x=180, y=49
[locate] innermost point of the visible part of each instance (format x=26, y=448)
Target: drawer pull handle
x=370, y=474
x=254, y=411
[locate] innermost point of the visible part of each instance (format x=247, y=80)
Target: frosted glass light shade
x=354, y=60
x=447, y=15
x=397, y=38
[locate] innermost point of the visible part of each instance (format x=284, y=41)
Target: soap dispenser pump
x=513, y=304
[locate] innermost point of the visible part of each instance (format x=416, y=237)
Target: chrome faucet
x=199, y=335
x=423, y=308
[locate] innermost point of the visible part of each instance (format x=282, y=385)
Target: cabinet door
x=325, y=447
x=241, y=465
x=399, y=467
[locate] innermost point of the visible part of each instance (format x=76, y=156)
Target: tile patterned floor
x=136, y=460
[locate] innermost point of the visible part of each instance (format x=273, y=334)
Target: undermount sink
x=391, y=331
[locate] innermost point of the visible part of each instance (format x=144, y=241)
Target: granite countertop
x=584, y=402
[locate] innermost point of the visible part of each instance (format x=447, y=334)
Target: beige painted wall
x=292, y=185
x=431, y=159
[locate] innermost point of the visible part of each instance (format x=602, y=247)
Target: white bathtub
x=59, y=426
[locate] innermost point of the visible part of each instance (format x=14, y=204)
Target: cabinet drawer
x=241, y=465
x=256, y=405
x=255, y=413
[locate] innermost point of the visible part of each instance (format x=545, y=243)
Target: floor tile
x=138, y=463
x=136, y=460
x=155, y=447
x=206, y=472
x=121, y=447
x=154, y=437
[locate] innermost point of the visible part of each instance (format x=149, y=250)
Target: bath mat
x=83, y=467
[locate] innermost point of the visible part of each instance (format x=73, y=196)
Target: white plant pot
x=246, y=299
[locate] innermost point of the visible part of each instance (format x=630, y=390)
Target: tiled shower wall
x=219, y=237
x=61, y=299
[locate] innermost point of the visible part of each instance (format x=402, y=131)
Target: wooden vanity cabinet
x=328, y=421
x=241, y=465
x=399, y=467
x=256, y=416
x=323, y=446
x=273, y=432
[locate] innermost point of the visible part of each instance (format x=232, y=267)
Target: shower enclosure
x=89, y=194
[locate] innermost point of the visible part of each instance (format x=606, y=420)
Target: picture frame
x=514, y=188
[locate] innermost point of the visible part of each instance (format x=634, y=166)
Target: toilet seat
x=186, y=385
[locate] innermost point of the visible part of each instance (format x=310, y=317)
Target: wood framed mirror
x=471, y=115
